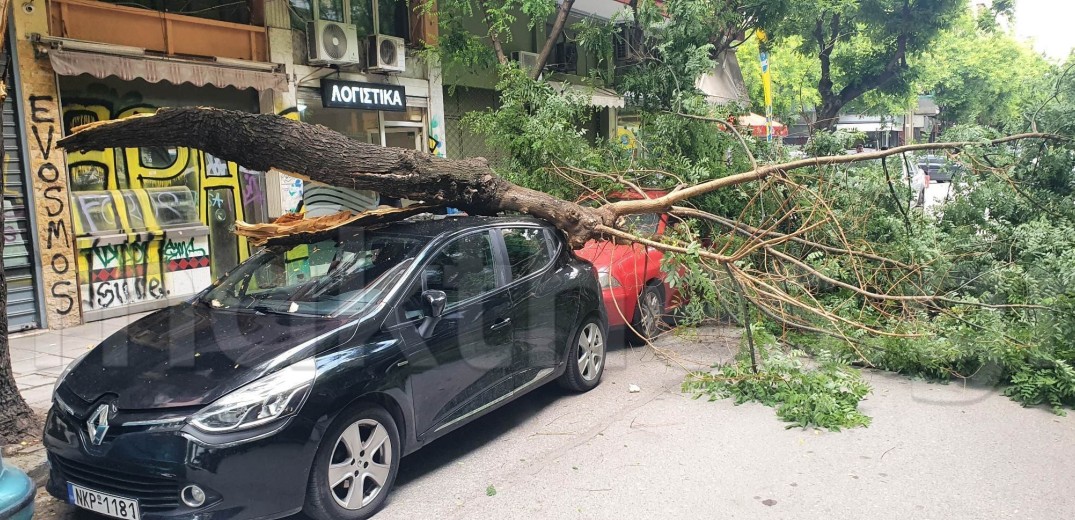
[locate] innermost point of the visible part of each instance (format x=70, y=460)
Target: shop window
x=173, y=206
x=96, y=212
x=157, y=157
x=221, y=219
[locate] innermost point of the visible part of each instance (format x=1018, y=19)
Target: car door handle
x=501, y=323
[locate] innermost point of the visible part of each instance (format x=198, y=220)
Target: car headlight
x=67, y=370
x=264, y=400
x=606, y=279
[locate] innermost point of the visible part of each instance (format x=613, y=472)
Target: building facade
x=108, y=233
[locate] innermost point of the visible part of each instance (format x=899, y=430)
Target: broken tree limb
x=293, y=228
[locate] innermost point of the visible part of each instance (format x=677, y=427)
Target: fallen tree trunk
x=313, y=152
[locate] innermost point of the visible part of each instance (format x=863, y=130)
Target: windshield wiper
x=265, y=309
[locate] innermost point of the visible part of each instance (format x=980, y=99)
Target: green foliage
x=541, y=127
x=983, y=76
x=823, y=397
x=872, y=47
x=794, y=78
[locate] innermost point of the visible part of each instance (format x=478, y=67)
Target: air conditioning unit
x=332, y=43
x=565, y=58
x=628, y=43
x=386, y=54
x=526, y=60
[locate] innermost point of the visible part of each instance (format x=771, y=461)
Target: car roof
x=435, y=227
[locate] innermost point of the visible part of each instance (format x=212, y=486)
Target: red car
x=632, y=283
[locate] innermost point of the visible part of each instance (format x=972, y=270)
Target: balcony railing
x=170, y=34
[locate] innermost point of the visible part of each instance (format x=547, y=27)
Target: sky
x=1049, y=23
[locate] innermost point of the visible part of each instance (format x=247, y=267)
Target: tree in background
x=864, y=46
x=981, y=74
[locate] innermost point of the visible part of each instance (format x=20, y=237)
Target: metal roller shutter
x=22, y=305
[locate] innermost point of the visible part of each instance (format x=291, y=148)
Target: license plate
x=103, y=503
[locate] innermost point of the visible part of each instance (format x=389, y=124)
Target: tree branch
x=554, y=34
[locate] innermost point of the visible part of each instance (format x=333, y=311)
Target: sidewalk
x=38, y=357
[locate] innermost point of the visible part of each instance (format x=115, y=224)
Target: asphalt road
x=933, y=451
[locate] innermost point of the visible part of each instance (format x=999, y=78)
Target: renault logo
x=97, y=425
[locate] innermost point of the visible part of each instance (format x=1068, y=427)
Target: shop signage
x=366, y=96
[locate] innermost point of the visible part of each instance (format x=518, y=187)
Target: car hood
x=604, y=253
x=189, y=355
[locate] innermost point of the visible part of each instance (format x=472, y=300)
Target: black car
x=298, y=380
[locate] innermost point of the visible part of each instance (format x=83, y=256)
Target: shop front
x=374, y=113
x=153, y=225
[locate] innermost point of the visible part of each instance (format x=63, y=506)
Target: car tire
x=586, y=357
x=649, y=314
x=357, y=428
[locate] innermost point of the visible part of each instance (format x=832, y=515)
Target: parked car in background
x=298, y=380
x=939, y=169
x=16, y=493
x=632, y=283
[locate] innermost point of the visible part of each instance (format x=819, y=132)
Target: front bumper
x=263, y=478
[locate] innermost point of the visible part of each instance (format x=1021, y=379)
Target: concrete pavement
x=38, y=357
x=933, y=451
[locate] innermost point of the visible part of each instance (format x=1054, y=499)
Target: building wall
x=39, y=107
x=124, y=230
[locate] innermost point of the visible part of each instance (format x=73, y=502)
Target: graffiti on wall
x=141, y=196
x=49, y=181
x=436, y=139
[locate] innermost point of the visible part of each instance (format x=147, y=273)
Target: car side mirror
x=435, y=300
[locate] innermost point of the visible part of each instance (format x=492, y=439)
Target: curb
x=32, y=462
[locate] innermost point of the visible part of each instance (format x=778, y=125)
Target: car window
x=463, y=269
x=643, y=224
x=528, y=250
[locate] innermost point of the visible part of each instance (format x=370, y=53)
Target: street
x=933, y=451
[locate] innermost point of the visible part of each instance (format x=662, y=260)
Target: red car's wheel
x=650, y=313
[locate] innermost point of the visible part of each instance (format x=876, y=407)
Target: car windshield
x=343, y=275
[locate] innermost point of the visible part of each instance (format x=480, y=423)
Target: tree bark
x=832, y=102
x=557, y=29
x=16, y=418
x=313, y=152
x=494, y=38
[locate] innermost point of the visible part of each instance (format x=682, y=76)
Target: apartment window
x=389, y=17
x=331, y=10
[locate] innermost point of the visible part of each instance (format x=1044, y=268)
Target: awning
x=156, y=69
x=759, y=127
x=597, y=96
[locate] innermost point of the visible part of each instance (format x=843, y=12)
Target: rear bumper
x=264, y=478
x=620, y=303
